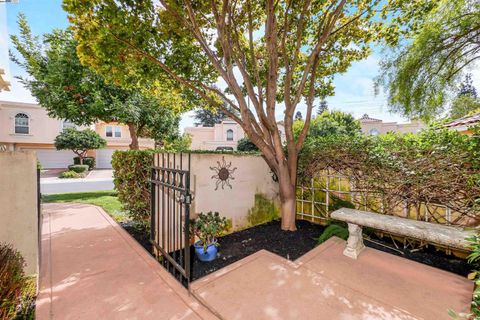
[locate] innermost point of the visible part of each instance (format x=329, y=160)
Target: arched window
x=374, y=132
x=229, y=135
x=21, y=123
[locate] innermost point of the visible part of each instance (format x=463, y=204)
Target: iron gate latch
x=185, y=198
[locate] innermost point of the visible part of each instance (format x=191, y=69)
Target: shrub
x=12, y=281
x=474, y=260
x=70, y=175
x=245, y=144
x=89, y=161
x=131, y=178
x=338, y=229
x=78, y=168
x=208, y=227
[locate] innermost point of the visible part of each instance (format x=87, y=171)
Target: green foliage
x=84, y=97
x=399, y=166
x=79, y=141
x=131, y=179
x=209, y=118
x=473, y=259
x=420, y=76
x=338, y=229
x=208, y=227
x=12, y=281
x=106, y=199
x=70, y=175
x=90, y=161
x=264, y=210
x=464, y=105
x=329, y=125
x=78, y=168
x=245, y=144
x=179, y=144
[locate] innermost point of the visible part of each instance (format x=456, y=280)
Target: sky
x=354, y=90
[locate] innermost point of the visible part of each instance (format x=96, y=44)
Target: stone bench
x=448, y=236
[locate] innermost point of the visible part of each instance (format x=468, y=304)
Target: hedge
x=131, y=180
x=90, y=161
x=78, y=168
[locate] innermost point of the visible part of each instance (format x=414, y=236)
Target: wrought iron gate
x=170, y=212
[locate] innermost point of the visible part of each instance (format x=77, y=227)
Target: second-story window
x=22, y=123
x=113, y=131
x=229, y=135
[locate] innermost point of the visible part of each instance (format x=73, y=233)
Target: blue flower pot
x=205, y=256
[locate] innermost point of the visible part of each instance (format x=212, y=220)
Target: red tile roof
x=465, y=121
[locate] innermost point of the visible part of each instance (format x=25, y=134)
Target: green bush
x=131, y=178
x=12, y=281
x=245, y=144
x=208, y=227
x=89, y=161
x=78, y=168
x=338, y=229
x=70, y=175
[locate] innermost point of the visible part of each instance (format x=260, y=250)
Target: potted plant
x=208, y=227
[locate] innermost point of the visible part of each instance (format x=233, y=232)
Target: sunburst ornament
x=223, y=174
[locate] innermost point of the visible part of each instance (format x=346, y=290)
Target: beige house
x=371, y=126
x=464, y=124
x=27, y=126
x=222, y=135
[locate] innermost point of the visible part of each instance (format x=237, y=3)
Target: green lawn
x=106, y=199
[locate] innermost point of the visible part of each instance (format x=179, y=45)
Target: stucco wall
x=248, y=195
x=18, y=204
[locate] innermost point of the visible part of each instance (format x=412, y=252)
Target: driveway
x=93, y=269
x=97, y=180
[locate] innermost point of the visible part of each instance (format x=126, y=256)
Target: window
x=229, y=135
x=68, y=124
x=21, y=123
x=113, y=131
x=374, y=132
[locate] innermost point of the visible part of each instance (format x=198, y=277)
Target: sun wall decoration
x=223, y=174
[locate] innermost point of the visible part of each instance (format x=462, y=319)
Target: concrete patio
x=92, y=269
x=324, y=284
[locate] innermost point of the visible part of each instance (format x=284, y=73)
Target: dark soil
x=268, y=236
x=292, y=245
x=140, y=233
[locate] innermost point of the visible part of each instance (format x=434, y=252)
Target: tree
x=245, y=144
x=322, y=107
x=79, y=141
x=209, y=118
x=421, y=75
x=271, y=56
x=82, y=96
x=298, y=116
x=463, y=105
x=467, y=88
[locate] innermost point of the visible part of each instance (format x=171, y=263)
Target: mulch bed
x=268, y=236
x=292, y=245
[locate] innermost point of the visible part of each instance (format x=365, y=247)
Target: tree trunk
x=287, y=197
x=133, y=136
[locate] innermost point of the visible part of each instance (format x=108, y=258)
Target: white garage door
x=104, y=158
x=54, y=159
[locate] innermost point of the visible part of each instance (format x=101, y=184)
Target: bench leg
x=355, y=241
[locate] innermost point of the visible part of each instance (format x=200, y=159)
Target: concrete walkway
x=324, y=284
x=92, y=269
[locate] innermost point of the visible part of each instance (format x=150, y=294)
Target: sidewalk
x=97, y=180
x=92, y=269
